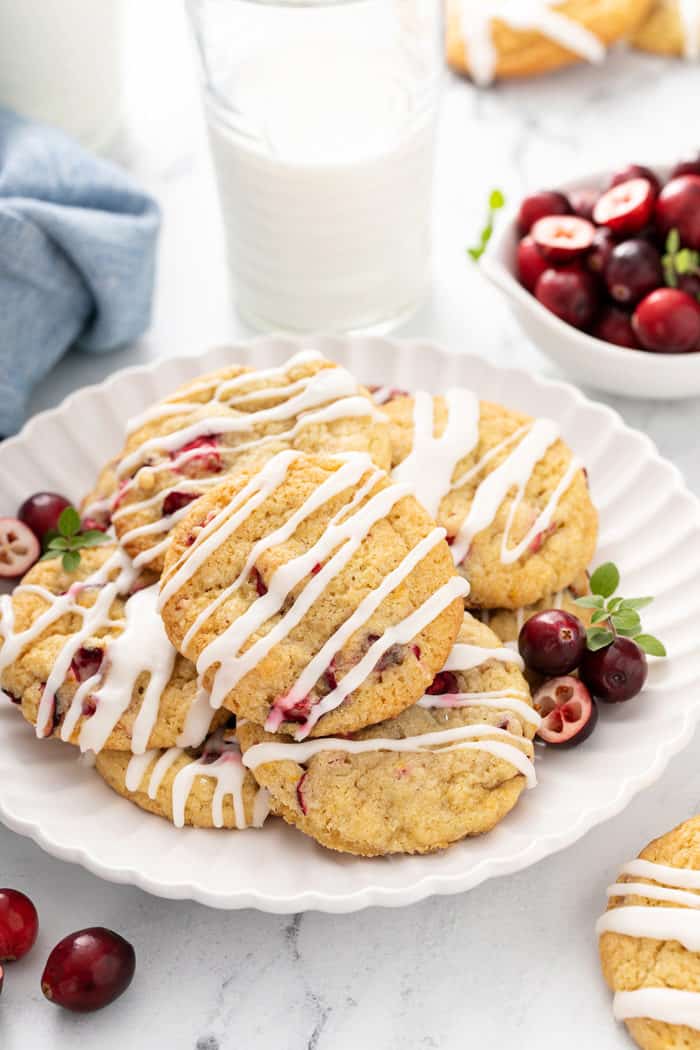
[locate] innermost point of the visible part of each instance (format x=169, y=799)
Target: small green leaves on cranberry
x=613, y=617
x=70, y=540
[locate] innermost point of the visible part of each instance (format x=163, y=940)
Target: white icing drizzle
x=431, y=463
x=668, y=1005
x=674, y=886
x=141, y=647
x=465, y=657
x=198, y=720
x=476, y=17
x=227, y=771
x=689, y=13
x=461, y=738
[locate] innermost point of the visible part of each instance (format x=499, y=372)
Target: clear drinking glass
x=321, y=118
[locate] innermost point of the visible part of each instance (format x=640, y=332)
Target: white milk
x=61, y=63
x=324, y=172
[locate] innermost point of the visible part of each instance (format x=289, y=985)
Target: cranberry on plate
x=615, y=673
x=42, y=511
x=19, y=548
x=568, y=712
x=552, y=642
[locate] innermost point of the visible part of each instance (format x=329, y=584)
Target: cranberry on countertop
x=88, y=970
x=19, y=925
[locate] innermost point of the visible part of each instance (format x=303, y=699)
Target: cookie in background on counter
x=510, y=493
x=453, y=765
x=672, y=28
x=650, y=942
x=507, y=623
x=497, y=39
x=314, y=595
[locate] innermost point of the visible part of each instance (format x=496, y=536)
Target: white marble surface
x=515, y=959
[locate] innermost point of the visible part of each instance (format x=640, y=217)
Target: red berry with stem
x=668, y=321
x=615, y=326
x=19, y=548
x=615, y=673
x=635, y=171
x=626, y=208
x=539, y=205
x=568, y=713
x=88, y=970
x=19, y=925
x=678, y=208
x=633, y=270
x=570, y=294
x=531, y=263
x=42, y=511
x=552, y=642
x=561, y=238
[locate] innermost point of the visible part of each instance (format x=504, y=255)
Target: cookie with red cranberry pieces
x=315, y=595
x=452, y=765
x=510, y=493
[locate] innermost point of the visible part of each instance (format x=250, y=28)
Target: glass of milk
x=61, y=62
x=321, y=119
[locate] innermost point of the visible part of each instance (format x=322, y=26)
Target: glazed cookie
x=507, y=623
x=490, y=39
x=86, y=658
x=231, y=420
x=453, y=765
x=511, y=495
x=672, y=28
x=315, y=596
x=205, y=788
x=650, y=942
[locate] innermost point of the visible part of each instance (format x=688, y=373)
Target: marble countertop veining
x=514, y=959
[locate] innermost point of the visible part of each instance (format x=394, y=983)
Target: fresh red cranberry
x=690, y=283
x=570, y=294
x=615, y=326
x=175, y=501
x=678, y=208
x=583, y=202
x=686, y=167
x=19, y=925
x=538, y=206
x=207, y=461
x=561, y=238
x=531, y=263
x=636, y=171
x=668, y=321
x=552, y=642
x=568, y=713
x=42, y=511
x=633, y=270
x=260, y=585
x=443, y=683
x=615, y=673
x=86, y=663
x=626, y=208
x=88, y=970
x=601, y=249
x=19, y=548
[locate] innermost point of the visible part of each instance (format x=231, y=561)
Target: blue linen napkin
x=77, y=257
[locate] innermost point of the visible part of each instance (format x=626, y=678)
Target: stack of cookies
x=308, y=608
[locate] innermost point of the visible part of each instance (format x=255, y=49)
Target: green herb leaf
x=71, y=561
x=650, y=645
x=92, y=538
x=599, y=616
x=614, y=604
x=496, y=202
x=673, y=241
x=590, y=601
x=69, y=522
x=636, y=603
x=605, y=579
x=59, y=543
x=627, y=620
x=598, y=638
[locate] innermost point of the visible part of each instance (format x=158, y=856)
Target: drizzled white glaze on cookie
x=680, y=888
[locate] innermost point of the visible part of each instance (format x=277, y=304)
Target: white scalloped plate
x=650, y=525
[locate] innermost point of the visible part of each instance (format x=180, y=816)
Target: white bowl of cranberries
x=604, y=276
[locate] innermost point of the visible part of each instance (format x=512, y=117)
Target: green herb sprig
x=678, y=261
x=69, y=540
x=496, y=202
x=615, y=616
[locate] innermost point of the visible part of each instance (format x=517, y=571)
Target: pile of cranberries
x=621, y=264
x=553, y=644
x=85, y=971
